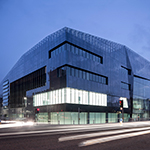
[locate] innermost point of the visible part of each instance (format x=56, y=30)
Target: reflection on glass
x=75, y=50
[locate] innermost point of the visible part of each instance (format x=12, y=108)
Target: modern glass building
x=76, y=78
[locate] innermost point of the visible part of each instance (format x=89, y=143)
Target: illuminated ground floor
x=74, y=114
x=73, y=106
x=70, y=106
x=80, y=118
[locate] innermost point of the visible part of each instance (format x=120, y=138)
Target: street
x=50, y=137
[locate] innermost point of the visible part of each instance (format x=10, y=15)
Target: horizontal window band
x=75, y=46
x=81, y=70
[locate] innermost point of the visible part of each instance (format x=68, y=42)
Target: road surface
x=129, y=136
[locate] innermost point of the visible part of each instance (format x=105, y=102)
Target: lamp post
x=79, y=111
x=25, y=102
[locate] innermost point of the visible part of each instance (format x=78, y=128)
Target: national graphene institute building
x=77, y=78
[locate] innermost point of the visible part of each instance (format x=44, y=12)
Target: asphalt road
x=49, y=140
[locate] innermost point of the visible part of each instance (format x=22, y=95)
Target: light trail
x=74, y=128
x=68, y=138
x=99, y=126
x=16, y=124
x=2, y=121
x=50, y=131
x=111, y=138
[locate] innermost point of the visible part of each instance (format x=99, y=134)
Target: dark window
x=100, y=60
x=49, y=54
x=58, y=72
x=129, y=72
x=63, y=71
x=19, y=87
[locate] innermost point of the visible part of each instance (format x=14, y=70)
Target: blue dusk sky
x=23, y=23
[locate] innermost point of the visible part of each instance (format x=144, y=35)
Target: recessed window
x=125, y=71
x=125, y=86
x=49, y=54
x=79, y=73
x=75, y=50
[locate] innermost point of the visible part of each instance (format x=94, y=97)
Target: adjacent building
x=76, y=78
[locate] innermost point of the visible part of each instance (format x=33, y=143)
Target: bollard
x=121, y=121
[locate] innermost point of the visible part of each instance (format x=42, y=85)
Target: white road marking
x=111, y=138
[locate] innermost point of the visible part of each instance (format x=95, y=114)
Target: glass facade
x=19, y=87
x=97, y=118
x=126, y=117
x=112, y=117
x=141, y=96
x=43, y=117
x=80, y=69
x=125, y=71
x=72, y=118
x=125, y=86
x=70, y=95
x=68, y=118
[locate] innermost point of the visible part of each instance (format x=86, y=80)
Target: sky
x=23, y=23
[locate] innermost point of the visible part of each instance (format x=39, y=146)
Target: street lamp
x=25, y=102
x=79, y=110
